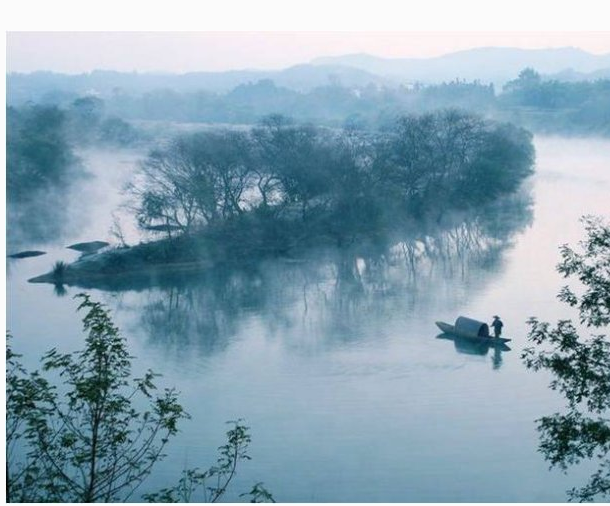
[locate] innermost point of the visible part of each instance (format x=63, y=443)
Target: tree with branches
x=580, y=365
x=84, y=440
x=85, y=430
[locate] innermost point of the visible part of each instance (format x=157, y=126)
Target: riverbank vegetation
x=90, y=124
x=418, y=168
x=556, y=107
x=230, y=195
x=284, y=183
x=579, y=364
x=40, y=169
x=531, y=100
x=78, y=431
x=42, y=165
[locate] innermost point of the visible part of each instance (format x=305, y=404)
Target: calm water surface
x=333, y=360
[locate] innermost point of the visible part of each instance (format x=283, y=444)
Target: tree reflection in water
x=333, y=294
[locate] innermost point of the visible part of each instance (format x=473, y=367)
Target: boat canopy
x=468, y=326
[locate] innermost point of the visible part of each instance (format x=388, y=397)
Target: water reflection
x=373, y=398
x=60, y=290
x=477, y=347
x=202, y=314
x=328, y=297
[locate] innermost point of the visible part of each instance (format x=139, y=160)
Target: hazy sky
x=75, y=52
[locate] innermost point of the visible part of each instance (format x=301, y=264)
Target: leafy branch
x=580, y=366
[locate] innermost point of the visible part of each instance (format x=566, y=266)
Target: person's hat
x=496, y=316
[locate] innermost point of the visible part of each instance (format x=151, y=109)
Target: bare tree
x=196, y=180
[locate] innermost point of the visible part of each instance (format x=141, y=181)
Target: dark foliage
x=556, y=106
x=282, y=183
x=40, y=168
x=86, y=430
x=196, y=485
x=580, y=365
x=84, y=440
x=530, y=101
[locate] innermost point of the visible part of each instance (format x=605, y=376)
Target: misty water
x=332, y=359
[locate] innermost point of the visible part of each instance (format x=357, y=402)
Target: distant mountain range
x=496, y=65
x=488, y=64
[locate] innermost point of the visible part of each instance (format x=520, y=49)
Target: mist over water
x=332, y=358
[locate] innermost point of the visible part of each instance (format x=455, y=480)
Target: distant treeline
x=38, y=154
x=556, y=106
x=530, y=101
x=41, y=164
x=40, y=167
x=281, y=184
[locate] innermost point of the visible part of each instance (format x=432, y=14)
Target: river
x=332, y=360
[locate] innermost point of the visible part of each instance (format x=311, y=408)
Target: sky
x=76, y=52
x=76, y=36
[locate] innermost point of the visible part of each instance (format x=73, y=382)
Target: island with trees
x=281, y=187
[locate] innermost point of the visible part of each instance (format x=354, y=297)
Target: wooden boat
x=471, y=329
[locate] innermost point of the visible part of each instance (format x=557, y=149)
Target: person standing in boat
x=497, y=325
